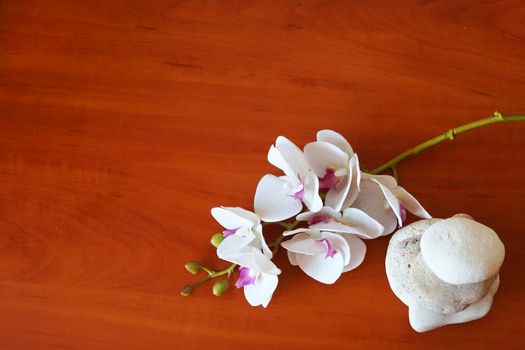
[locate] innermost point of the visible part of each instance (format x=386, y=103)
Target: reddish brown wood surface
x=123, y=122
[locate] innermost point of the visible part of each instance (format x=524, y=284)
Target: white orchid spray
x=327, y=206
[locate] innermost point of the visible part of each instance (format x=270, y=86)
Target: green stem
x=448, y=135
x=394, y=172
x=276, y=244
x=287, y=225
x=188, y=289
x=214, y=274
x=207, y=270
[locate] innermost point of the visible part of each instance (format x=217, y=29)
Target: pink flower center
x=330, y=249
x=318, y=218
x=329, y=180
x=229, y=232
x=299, y=195
x=246, y=277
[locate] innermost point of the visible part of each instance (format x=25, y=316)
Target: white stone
x=460, y=250
x=401, y=253
x=412, y=281
x=422, y=320
x=433, y=302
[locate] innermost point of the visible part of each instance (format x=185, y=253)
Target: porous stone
x=422, y=319
x=401, y=253
x=460, y=250
x=433, y=302
x=443, y=297
x=411, y=280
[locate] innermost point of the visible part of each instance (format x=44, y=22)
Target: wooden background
x=123, y=122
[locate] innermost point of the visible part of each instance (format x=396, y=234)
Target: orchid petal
x=357, y=252
x=389, y=221
x=340, y=244
x=324, y=270
x=363, y=222
x=233, y=246
x=260, y=293
x=339, y=227
x=392, y=201
x=292, y=155
x=306, y=216
x=336, y=197
x=311, y=197
x=322, y=155
x=354, y=174
x=257, y=231
x=304, y=244
x=372, y=201
x=264, y=264
x=308, y=231
x=336, y=139
x=276, y=158
x=233, y=218
x=245, y=260
x=355, y=165
x=387, y=180
x=273, y=200
x=245, y=214
x=291, y=258
x=411, y=203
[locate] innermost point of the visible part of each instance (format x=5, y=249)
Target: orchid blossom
x=382, y=199
x=280, y=198
x=322, y=255
x=335, y=163
x=242, y=228
x=350, y=221
x=258, y=274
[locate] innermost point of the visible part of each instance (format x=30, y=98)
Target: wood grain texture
x=123, y=122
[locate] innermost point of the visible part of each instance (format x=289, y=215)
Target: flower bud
x=216, y=239
x=220, y=287
x=186, y=290
x=193, y=267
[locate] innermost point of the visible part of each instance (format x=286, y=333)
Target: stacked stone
x=445, y=271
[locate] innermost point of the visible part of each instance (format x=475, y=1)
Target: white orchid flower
x=243, y=228
x=335, y=163
x=280, y=198
x=386, y=202
x=257, y=274
x=324, y=256
x=350, y=221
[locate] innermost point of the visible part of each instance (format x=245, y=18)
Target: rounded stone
x=443, y=297
x=401, y=253
x=413, y=282
x=460, y=250
x=422, y=319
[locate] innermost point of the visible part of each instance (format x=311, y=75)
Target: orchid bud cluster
x=336, y=206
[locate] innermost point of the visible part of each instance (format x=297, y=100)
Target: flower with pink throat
x=280, y=198
x=257, y=274
x=322, y=255
x=337, y=166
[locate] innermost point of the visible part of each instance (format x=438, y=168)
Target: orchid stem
x=211, y=274
x=394, y=172
x=448, y=135
x=276, y=244
x=207, y=270
x=288, y=225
